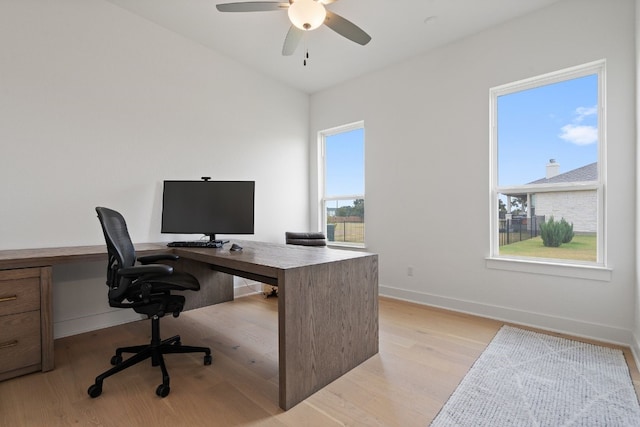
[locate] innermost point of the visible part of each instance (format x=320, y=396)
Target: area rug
x=525, y=378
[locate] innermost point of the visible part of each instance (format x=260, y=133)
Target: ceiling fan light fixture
x=307, y=14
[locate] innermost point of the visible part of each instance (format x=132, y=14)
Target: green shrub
x=550, y=233
x=567, y=231
x=556, y=233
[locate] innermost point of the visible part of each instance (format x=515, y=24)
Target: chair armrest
x=150, y=259
x=139, y=270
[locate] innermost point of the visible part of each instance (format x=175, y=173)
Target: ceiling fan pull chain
x=306, y=50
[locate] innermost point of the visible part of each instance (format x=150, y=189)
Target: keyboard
x=198, y=244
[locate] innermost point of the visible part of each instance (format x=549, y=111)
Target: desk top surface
x=269, y=255
x=19, y=258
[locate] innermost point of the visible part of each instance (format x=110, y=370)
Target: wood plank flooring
x=424, y=353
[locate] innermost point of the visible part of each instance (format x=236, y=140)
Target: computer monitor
x=208, y=207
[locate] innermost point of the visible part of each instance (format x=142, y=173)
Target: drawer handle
x=8, y=344
x=7, y=299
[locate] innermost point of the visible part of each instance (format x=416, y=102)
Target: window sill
x=338, y=245
x=577, y=271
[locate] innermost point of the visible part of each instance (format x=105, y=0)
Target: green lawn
x=583, y=247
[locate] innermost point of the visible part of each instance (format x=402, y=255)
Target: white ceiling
x=399, y=29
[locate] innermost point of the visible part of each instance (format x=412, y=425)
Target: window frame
x=324, y=198
x=560, y=267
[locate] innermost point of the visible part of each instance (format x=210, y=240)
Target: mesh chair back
x=120, y=249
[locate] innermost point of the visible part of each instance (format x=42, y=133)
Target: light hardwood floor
x=424, y=353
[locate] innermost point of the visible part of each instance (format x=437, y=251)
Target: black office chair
x=305, y=239
x=146, y=288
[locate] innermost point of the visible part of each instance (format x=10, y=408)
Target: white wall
x=427, y=177
x=98, y=107
x=636, y=326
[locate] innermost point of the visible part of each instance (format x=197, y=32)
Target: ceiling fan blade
x=292, y=40
x=346, y=28
x=252, y=6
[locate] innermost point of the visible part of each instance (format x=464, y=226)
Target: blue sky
x=557, y=121
x=345, y=163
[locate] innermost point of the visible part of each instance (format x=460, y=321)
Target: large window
x=547, y=174
x=342, y=202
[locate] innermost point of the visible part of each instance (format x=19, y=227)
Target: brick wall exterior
x=577, y=207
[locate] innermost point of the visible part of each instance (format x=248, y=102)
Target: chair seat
x=177, y=281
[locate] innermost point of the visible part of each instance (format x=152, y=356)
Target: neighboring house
x=576, y=206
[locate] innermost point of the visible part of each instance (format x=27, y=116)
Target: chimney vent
x=553, y=168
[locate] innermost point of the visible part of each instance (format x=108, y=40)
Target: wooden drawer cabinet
x=20, y=345
x=19, y=295
x=26, y=336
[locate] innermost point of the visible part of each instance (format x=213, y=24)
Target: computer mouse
x=235, y=248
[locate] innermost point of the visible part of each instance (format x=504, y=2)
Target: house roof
x=584, y=173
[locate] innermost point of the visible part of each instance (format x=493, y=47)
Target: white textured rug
x=524, y=378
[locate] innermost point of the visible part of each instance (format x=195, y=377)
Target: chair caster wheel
x=116, y=360
x=163, y=390
x=95, y=390
x=208, y=359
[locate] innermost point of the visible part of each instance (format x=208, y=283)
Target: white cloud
x=579, y=135
x=583, y=112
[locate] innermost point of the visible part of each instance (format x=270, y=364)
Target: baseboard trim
x=563, y=325
x=93, y=322
x=526, y=318
x=66, y=328
x=249, y=289
x=635, y=349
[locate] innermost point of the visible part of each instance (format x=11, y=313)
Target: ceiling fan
x=305, y=15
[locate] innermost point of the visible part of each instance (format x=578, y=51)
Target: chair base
x=269, y=290
x=154, y=350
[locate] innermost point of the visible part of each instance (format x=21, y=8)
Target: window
x=342, y=200
x=547, y=172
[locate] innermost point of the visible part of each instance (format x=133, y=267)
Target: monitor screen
x=208, y=207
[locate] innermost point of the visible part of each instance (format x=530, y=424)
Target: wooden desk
x=327, y=303
x=327, y=308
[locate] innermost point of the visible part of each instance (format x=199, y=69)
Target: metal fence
x=519, y=228
x=348, y=229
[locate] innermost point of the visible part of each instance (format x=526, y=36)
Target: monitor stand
x=216, y=243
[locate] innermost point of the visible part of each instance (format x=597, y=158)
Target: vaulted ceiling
x=400, y=29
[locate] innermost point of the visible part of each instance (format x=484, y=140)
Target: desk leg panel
x=46, y=318
x=328, y=320
x=215, y=287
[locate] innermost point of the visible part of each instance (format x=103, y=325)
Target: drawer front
x=20, y=340
x=19, y=273
x=19, y=295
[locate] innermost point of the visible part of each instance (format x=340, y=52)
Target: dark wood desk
x=327, y=302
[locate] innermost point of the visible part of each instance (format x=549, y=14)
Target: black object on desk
x=198, y=244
